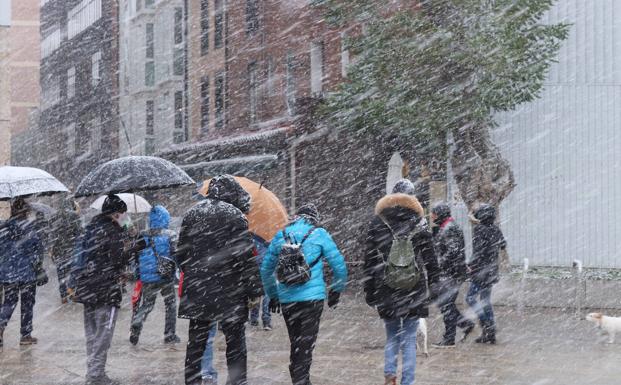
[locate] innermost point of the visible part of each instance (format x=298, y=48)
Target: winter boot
x=28, y=340
x=444, y=344
x=390, y=380
x=489, y=333
x=172, y=339
x=134, y=335
x=467, y=328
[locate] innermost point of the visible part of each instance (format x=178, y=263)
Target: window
x=149, y=41
x=149, y=142
x=290, y=89
x=179, y=134
x=344, y=55
x=95, y=134
x=50, y=43
x=178, y=57
x=95, y=68
x=70, y=134
x=252, y=92
x=50, y=93
x=82, y=16
x=252, y=17
x=316, y=62
x=205, y=105
x=70, y=82
x=149, y=74
x=149, y=3
x=219, y=26
x=138, y=5
x=219, y=102
x=271, y=77
x=204, y=27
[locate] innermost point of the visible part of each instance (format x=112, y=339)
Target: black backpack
x=292, y=268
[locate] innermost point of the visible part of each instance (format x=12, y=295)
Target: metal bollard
x=580, y=287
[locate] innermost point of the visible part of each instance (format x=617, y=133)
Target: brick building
x=257, y=69
x=78, y=121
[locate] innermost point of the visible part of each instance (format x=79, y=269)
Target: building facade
x=152, y=75
x=79, y=85
x=5, y=83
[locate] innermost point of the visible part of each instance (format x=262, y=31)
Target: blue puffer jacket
x=318, y=244
x=20, y=250
x=162, y=239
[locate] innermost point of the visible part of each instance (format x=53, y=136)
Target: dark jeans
x=451, y=314
x=12, y=293
x=483, y=304
x=302, y=320
x=235, y=335
x=147, y=302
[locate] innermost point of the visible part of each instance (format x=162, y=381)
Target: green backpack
x=401, y=271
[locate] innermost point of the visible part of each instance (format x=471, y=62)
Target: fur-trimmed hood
x=399, y=200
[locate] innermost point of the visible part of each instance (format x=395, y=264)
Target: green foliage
x=442, y=66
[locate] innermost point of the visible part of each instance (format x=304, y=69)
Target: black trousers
x=8, y=302
x=236, y=361
x=302, y=320
x=450, y=313
x=149, y=295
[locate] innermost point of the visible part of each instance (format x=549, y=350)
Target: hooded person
x=487, y=241
x=399, y=266
x=66, y=230
x=220, y=275
x=21, y=257
x=298, y=287
x=450, y=248
x=97, y=275
x=156, y=270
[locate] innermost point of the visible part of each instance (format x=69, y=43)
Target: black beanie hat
x=309, y=212
x=113, y=204
x=442, y=211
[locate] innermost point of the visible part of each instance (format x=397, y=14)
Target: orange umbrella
x=267, y=215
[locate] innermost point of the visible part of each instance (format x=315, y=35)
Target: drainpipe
x=292, y=154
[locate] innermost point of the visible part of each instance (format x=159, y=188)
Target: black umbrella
x=132, y=174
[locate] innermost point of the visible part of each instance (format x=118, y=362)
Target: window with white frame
x=82, y=16
x=253, y=94
x=70, y=82
x=316, y=62
x=50, y=43
x=290, y=86
x=96, y=134
x=178, y=56
x=271, y=77
x=96, y=68
x=344, y=55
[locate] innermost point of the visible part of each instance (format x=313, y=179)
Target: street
x=542, y=347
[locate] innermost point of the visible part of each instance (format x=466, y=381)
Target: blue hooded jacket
x=162, y=239
x=20, y=250
x=318, y=245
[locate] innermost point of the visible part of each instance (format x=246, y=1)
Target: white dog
x=611, y=325
x=422, y=331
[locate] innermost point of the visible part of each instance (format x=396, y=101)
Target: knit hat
x=309, y=212
x=404, y=186
x=442, y=211
x=113, y=204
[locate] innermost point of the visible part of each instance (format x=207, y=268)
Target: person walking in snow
x=487, y=241
x=97, y=275
x=21, y=257
x=292, y=274
x=399, y=265
x=220, y=276
x=263, y=309
x=156, y=271
x=450, y=249
x=66, y=230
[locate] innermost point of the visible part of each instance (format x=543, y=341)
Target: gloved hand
x=254, y=302
x=333, y=299
x=274, y=305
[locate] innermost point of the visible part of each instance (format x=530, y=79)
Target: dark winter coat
x=21, y=251
x=66, y=230
x=487, y=241
x=450, y=249
x=101, y=263
x=404, y=215
x=215, y=254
